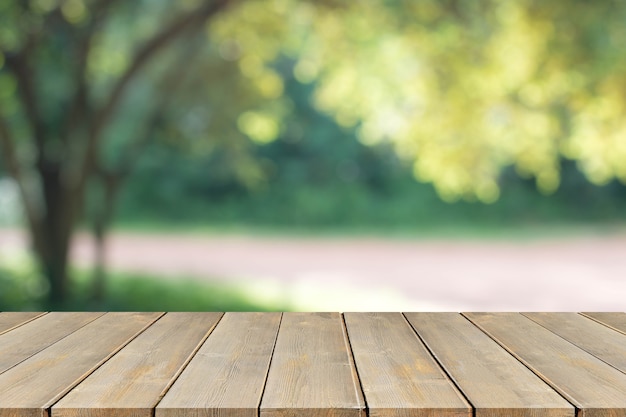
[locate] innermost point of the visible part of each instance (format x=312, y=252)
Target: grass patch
x=22, y=288
x=140, y=292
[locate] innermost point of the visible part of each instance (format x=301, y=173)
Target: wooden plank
x=26, y=340
x=227, y=375
x=9, y=321
x=594, y=387
x=496, y=383
x=131, y=383
x=398, y=375
x=31, y=387
x=616, y=321
x=311, y=373
x=602, y=342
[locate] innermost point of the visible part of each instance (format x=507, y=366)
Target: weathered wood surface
x=616, y=321
x=36, y=335
x=227, y=376
x=496, y=383
x=311, y=369
x=594, y=387
x=132, y=382
x=10, y=321
x=32, y=387
x=601, y=341
x=397, y=373
x=312, y=364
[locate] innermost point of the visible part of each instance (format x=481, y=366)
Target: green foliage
x=406, y=207
x=459, y=91
x=467, y=89
x=317, y=174
x=462, y=91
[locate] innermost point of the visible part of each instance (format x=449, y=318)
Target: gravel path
x=583, y=273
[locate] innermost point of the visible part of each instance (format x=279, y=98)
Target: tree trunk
x=51, y=248
x=55, y=270
x=99, y=267
x=53, y=241
x=103, y=216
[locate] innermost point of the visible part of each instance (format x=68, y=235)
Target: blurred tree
x=75, y=115
x=66, y=68
x=460, y=89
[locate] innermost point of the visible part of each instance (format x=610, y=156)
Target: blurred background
x=312, y=155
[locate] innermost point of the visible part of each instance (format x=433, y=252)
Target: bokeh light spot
x=260, y=127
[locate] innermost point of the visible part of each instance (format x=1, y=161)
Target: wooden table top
x=312, y=364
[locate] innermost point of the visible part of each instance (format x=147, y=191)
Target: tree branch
x=142, y=57
x=171, y=82
x=8, y=152
x=80, y=107
x=19, y=65
x=11, y=160
x=154, y=45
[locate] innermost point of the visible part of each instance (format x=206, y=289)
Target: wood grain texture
x=227, y=376
x=9, y=321
x=616, y=321
x=31, y=387
x=398, y=375
x=311, y=373
x=494, y=382
x=602, y=342
x=36, y=335
x=132, y=382
x=594, y=387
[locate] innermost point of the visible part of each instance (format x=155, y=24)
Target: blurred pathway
x=347, y=274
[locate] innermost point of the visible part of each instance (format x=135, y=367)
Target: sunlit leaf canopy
x=461, y=89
